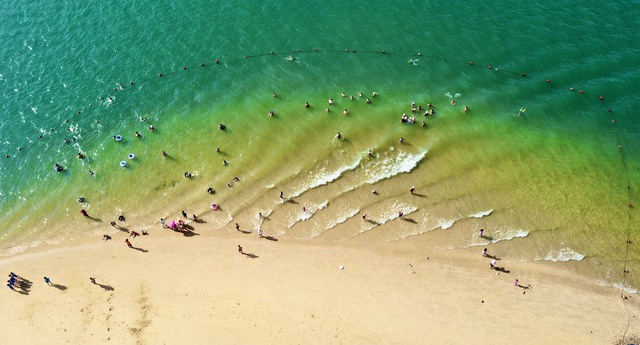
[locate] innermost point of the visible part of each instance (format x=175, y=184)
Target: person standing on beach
x=84, y=213
x=240, y=249
x=93, y=280
x=282, y=195
x=260, y=232
x=237, y=227
x=47, y=280
x=412, y=189
x=184, y=214
x=492, y=264
x=516, y=283
x=364, y=216
x=162, y=222
x=481, y=232
x=128, y=243
x=484, y=252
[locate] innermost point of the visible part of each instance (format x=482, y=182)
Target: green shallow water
x=554, y=174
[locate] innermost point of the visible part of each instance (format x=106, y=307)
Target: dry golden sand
x=200, y=290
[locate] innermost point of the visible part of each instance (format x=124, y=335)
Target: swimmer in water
x=351, y=98
x=165, y=154
x=330, y=101
x=374, y=94
x=138, y=135
x=328, y=110
x=360, y=94
x=466, y=108
x=344, y=94
x=339, y=135
x=453, y=102
x=345, y=112
x=275, y=95
x=368, y=101
x=307, y=105
x=272, y=113
x=521, y=111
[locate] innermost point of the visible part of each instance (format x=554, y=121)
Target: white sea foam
x=563, y=255
x=23, y=247
x=220, y=219
x=624, y=287
x=389, y=214
x=508, y=234
x=446, y=223
x=342, y=218
x=304, y=215
x=322, y=177
x=391, y=166
x=481, y=214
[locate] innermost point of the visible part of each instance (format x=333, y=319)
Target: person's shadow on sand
x=409, y=220
x=139, y=249
x=250, y=255
x=59, y=287
x=501, y=269
x=105, y=287
x=270, y=238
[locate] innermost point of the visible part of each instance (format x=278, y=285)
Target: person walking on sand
x=134, y=234
x=516, y=282
x=412, y=189
x=128, y=243
x=240, y=249
x=259, y=232
x=184, y=214
x=481, y=232
x=492, y=264
x=47, y=280
x=93, y=280
x=364, y=216
x=162, y=223
x=84, y=213
x=484, y=252
x=237, y=227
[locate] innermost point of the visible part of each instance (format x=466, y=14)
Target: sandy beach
x=196, y=289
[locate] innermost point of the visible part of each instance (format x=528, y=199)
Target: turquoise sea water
x=548, y=185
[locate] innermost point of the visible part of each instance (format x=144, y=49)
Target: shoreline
x=197, y=287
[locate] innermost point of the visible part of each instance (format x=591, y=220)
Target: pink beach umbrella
x=172, y=225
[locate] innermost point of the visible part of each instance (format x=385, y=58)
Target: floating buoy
x=117, y=137
x=123, y=164
x=470, y=62
x=548, y=80
x=490, y=67
x=132, y=156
